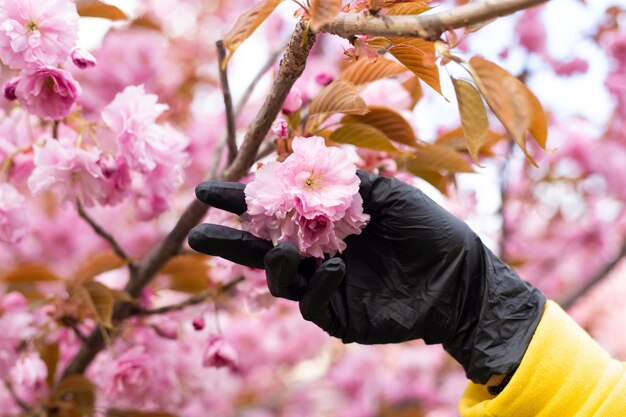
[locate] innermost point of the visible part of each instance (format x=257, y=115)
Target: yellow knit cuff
x=563, y=373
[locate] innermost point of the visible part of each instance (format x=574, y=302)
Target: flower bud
x=323, y=78
x=9, y=88
x=198, y=323
x=280, y=128
x=83, y=59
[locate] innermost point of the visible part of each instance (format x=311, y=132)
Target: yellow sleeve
x=564, y=373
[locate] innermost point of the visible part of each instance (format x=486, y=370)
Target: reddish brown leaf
x=365, y=71
x=507, y=97
x=388, y=121
x=414, y=88
x=29, y=273
x=99, y=299
x=188, y=273
x=438, y=158
x=416, y=7
x=247, y=23
x=98, y=264
x=364, y=136
x=323, y=11
x=50, y=356
x=102, y=10
x=338, y=97
x=78, y=391
x=473, y=116
x=417, y=55
x=538, y=121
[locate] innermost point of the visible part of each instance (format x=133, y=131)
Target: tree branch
x=570, y=300
x=429, y=26
x=231, y=138
x=119, y=251
x=291, y=67
x=193, y=300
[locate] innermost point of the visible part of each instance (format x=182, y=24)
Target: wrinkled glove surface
x=415, y=272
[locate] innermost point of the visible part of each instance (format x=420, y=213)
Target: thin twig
x=55, y=130
x=250, y=89
x=192, y=301
x=428, y=26
x=119, y=251
x=570, y=300
x=231, y=139
x=78, y=333
x=20, y=403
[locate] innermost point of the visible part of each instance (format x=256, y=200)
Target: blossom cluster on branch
x=100, y=151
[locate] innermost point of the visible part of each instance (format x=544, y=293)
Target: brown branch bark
x=570, y=300
x=193, y=300
x=291, y=67
x=231, y=137
x=429, y=26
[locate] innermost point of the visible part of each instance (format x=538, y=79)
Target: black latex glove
x=415, y=272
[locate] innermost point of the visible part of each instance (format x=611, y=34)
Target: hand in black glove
x=415, y=272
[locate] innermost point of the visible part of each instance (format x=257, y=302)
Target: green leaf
x=338, y=97
x=102, y=10
x=364, y=136
x=473, y=116
x=388, y=121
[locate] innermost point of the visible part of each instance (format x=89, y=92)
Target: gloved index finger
x=224, y=195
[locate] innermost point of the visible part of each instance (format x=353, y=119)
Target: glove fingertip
x=224, y=195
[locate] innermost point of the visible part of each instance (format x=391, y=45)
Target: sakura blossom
x=69, y=172
x=37, y=33
x=48, y=92
x=9, y=88
x=220, y=354
x=13, y=219
x=139, y=122
x=311, y=199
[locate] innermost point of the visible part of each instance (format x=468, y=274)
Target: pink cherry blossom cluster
x=36, y=37
x=139, y=157
x=311, y=199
